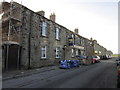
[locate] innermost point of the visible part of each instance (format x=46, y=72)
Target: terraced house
x=30, y=40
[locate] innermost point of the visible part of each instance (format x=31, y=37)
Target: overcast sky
x=94, y=18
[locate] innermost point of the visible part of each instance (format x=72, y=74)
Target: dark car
x=118, y=72
x=118, y=61
x=104, y=57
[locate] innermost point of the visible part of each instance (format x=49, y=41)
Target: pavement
x=22, y=73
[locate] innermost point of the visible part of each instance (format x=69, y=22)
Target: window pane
x=57, y=53
x=44, y=28
x=72, y=53
x=76, y=52
x=57, y=33
x=73, y=38
x=43, y=52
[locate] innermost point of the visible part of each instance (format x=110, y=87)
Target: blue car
x=76, y=63
x=64, y=64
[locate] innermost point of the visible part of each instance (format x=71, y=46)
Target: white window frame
x=77, y=52
x=57, y=36
x=44, y=28
x=43, y=52
x=73, y=38
x=82, y=52
x=72, y=52
x=57, y=52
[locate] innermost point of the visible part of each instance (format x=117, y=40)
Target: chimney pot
x=76, y=31
x=53, y=17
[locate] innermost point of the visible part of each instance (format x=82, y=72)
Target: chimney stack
x=52, y=17
x=76, y=31
x=42, y=13
x=91, y=39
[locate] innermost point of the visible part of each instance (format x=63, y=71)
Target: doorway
x=11, y=56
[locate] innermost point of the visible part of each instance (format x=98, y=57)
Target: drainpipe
x=29, y=44
x=18, y=64
x=7, y=56
x=64, y=47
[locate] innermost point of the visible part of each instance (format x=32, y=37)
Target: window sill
x=57, y=57
x=58, y=39
x=44, y=36
x=43, y=58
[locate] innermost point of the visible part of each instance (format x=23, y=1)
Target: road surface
x=99, y=75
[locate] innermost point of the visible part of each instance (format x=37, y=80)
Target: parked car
x=105, y=57
x=118, y=76
x=118, y=72
x=118, y=61
x=97, y=58
x=101, y=57
x=109, y=57
x=64, y=64
x=90, y=59
x=82, y=60
x=74, y=63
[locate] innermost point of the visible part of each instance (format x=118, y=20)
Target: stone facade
x=100, y=50
x=41, y=41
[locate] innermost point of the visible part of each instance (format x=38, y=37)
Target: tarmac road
x=99, y=75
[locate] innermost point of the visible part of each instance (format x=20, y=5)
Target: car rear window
x=89, y=57
x=95, y=56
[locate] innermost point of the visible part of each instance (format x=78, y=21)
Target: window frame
x=73, y=37
x=57, y=33
x=44, y=29
x=57, y=53
x=77, y=53
x=72, y=53
x=43, y=51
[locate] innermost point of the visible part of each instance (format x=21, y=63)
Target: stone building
x=100, y=50
x=109, y=53
x=30, y=40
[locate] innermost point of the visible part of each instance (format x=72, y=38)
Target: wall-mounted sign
x=79, y=47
